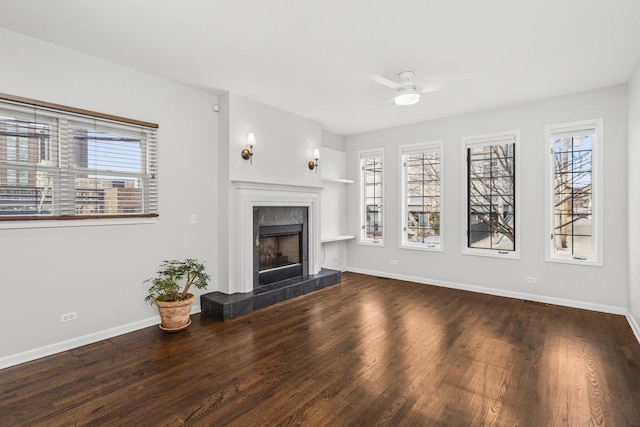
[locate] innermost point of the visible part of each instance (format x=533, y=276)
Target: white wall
x=47, y=272
x=603, y=288
x=634, y=197
x=285, y=143
x=98, y=272
x=332, y=140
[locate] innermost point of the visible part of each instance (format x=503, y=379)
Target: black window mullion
x=491, y=174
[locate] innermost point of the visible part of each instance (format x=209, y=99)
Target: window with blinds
x=492, y=195
x=371, y=197
x=574, y=218
x=421, y=195
x=62, y=163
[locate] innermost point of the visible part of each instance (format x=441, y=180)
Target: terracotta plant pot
x=174, y=315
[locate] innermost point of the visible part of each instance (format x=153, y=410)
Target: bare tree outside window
x=574, y=219
x=422, y=198
x=372, y=198
x=491, y=197
x=572, y=195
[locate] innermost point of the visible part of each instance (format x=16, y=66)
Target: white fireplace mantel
x=250, y=194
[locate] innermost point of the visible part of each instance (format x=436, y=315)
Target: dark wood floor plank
x=370, y=351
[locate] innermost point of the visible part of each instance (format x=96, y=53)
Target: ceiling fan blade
x=452, y=84
x=385, y=82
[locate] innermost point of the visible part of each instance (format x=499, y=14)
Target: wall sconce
x=247, y=153
x=313, y=164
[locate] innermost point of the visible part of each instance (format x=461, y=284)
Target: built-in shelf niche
x=334, y=202
x=341, y=180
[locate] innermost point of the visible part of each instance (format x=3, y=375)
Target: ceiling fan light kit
x=407, y=92
x=407, y=96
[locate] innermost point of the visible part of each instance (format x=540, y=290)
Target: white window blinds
x=61, y=163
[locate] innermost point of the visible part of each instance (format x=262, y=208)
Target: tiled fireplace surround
x=242, y=297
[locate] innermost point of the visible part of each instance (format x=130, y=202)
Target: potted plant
x=173, y=302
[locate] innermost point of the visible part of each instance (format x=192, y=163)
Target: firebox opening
x=278, y=251
x=281, y=244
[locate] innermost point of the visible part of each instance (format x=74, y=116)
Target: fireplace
x=292, y=213
x=242, y=233
x=281, y=244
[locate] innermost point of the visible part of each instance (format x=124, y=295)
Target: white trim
x=254, y=194
x=496, y=292
x=373, y=243
x=340, y=180
x=336, y=238
x=89, y=222
x=635, y=328
x=597, y=196
x=418, y=148
x=361, y=195
x=506, y=137
x=59, y=347
x=272, y=186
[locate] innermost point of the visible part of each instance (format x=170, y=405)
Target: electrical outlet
x=394, y=261
x=531, y=279
x=194, y=219
x=68, y=317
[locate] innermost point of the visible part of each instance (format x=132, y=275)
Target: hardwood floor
x=369, y=351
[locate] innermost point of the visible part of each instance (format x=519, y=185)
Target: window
x=62, y=163
x=421, y=196
x=574, y=171
x=371, y=197
x=491, y=195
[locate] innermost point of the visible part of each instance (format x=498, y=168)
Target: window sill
x=424, y=248
x=92, y=222
x=585, y=262
x=374, y=243
x=490, y=253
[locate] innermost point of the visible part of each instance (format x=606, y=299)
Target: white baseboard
x=511, y=294
x=48, y=350
x=634, y=326
x=497, y=292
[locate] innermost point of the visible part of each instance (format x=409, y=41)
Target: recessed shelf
x=344, y=181
x=336, y=238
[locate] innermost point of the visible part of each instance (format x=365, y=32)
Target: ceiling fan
x=408, y=92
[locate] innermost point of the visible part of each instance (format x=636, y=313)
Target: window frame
x=404, y=150
x=485, y=140
x=362, y=239
x=597, y=180
x=51, y=157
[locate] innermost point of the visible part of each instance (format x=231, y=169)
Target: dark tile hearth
x=225, y=306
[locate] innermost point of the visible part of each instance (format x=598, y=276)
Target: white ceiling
x=314, y=57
